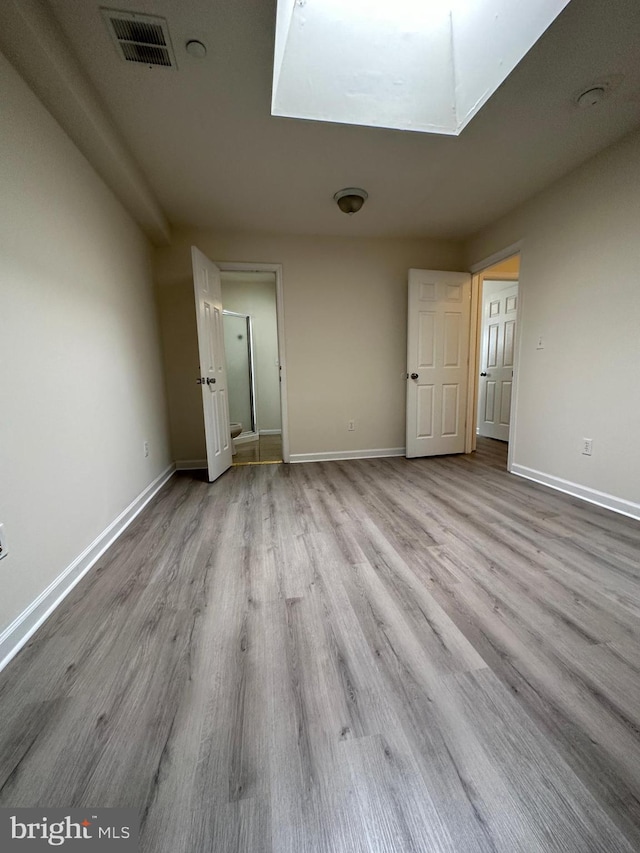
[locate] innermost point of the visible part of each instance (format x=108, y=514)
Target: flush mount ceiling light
x=403, y=64
x=350, y=199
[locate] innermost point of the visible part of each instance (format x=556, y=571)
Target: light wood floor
x=378, y=655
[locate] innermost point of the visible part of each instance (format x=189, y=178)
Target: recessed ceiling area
x=403, y=64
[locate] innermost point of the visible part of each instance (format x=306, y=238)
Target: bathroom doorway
x=250, y=317
x=238, y=346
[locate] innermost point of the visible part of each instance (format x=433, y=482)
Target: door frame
x=229, y=266
x=477, y=270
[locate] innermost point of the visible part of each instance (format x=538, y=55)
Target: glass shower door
x=238, y=351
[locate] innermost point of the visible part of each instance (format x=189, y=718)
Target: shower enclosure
x=238, y=346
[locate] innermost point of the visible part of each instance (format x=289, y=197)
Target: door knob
x=414, y=376
x=483, y=374
x=211, y=381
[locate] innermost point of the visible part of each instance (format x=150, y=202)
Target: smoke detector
x=591, y=97
x=597, y=91
x=140, y=38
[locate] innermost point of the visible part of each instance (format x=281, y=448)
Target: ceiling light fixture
x=350, y=199
x=196, y=49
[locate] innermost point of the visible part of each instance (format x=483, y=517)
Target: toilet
x=236, y=429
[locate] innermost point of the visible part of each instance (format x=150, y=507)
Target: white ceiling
x=216, y=158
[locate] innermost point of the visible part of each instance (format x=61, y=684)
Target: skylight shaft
x=402, y=64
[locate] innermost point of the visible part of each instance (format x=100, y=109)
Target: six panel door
x=497, y=358
x=213, y=371
x=437, y=361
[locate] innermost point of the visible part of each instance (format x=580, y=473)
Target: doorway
x=497, y=358
x=238, y=347
x=254, y=366
x=497, y=301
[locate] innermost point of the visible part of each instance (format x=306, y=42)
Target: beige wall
x=258, y=298
x=345, y=307
x=579, y=290
x=82, y=384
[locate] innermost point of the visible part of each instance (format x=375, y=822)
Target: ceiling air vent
x=140, y=38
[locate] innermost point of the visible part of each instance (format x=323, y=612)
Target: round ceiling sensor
x=196, y=49
x=591, y=97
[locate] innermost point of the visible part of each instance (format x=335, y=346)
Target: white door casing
x=437, y=361
x=497, y=358
x=213, y=369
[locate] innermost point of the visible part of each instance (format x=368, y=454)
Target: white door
x=499, y=307
x=213, y=369
x=437, y=361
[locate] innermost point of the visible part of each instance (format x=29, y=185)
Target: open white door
x=437, y=361
x=213, y=369
x=499, y=310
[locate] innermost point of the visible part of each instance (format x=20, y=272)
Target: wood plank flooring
x=381, y=655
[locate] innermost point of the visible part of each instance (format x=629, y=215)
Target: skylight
x=424, y=65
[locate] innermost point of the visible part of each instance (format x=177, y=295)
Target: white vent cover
x=140, y=38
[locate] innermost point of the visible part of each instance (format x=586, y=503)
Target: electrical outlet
x=351, y=426
x=540, y=344
x=3, y=543
x=145, y=448
x=587, y=446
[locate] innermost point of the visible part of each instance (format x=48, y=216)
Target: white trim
x=513, y=420
x=13, y=638
x=191, y=464
x=270, y=432
x=585, y=493
x=227, y=266
x=502, y=255
x=337, y=455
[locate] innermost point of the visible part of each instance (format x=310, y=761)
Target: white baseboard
x=13, y=638
x=593, y=496
x=337, y=455
x=191, y=464
x=270, y=432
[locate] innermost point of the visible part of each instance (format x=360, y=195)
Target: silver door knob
x=414, y=376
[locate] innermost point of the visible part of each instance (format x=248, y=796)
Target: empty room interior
x=319, y=435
